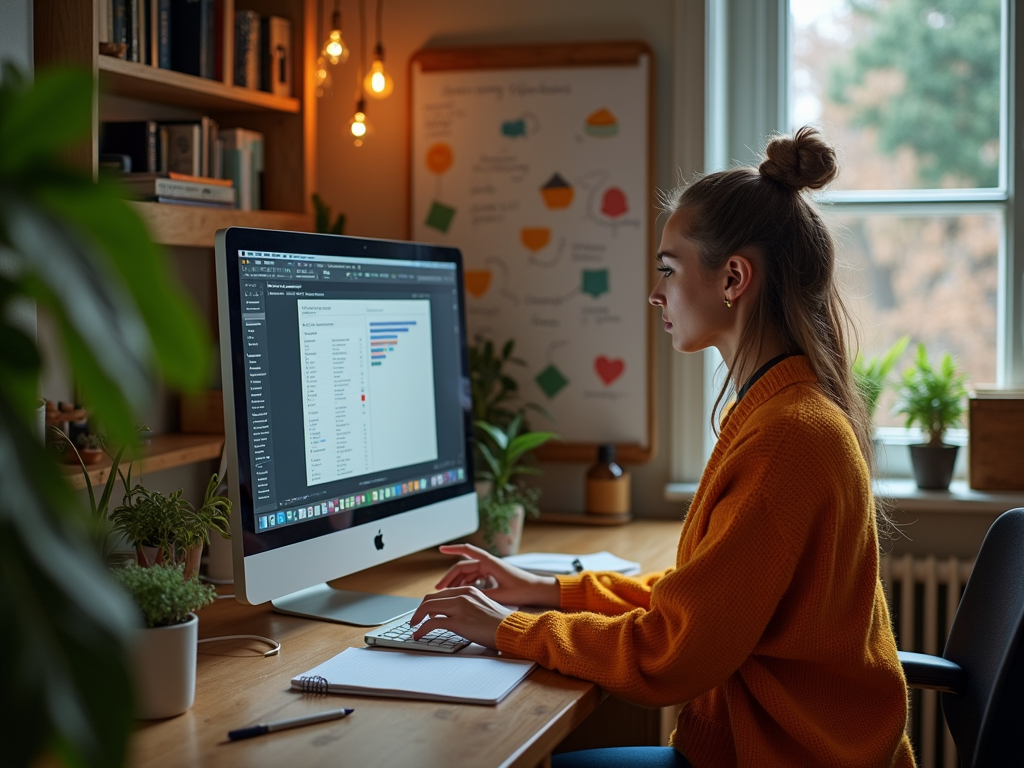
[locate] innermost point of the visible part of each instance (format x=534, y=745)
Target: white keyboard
x=398, y=634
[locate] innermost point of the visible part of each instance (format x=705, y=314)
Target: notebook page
x=382, y=672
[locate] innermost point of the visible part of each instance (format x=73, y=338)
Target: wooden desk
x=236, y=686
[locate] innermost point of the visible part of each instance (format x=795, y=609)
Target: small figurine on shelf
x=90, y=447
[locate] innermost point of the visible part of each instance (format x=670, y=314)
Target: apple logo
x=378, y=540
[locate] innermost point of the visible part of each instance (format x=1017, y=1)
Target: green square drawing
x=595, y=281
x=440, y=216
x=551, y=381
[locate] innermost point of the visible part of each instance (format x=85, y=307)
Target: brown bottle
x=607, y=491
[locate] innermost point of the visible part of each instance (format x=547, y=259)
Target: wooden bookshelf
x=141, y=81
x=163, y=452
x=193, y=225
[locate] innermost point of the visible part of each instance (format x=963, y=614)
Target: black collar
x=759, y=373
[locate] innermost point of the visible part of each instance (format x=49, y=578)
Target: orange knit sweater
x=772, y=628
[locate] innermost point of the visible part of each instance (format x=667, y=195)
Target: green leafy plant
x=170, y=523
x=932, y=397
x=163, y=593
x=872, y=374
x=323, y=218
x=77, y=251
x=504, y=452
x=495, y=393
x=100, y=530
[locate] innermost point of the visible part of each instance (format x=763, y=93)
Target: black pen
x=295, y=722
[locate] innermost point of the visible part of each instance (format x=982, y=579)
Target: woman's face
x=692, y=302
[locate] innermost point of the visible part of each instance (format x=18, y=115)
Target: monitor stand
x=362, y=609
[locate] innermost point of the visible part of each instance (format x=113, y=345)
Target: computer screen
x=347, y=411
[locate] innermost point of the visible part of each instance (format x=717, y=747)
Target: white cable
x=275, y=646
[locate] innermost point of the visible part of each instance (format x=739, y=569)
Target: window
x=917, y=96
x=911, y=92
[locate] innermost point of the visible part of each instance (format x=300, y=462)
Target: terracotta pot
x=499, y=543
x=164, y=667
x=933, y=466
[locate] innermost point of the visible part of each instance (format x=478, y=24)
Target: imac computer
x=347, y=413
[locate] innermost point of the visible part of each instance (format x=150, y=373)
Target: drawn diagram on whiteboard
x=439, y=159
x=478, y=282
x=520, y=127
x=607, y=204
x=536, y=240
x=551, y=380
x=608, y=369
x=601, y=124
x=594, y=282
x=557, y=193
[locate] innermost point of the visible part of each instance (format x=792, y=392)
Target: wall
x=369, y=184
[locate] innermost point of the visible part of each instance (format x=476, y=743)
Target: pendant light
x=358, y=126
x=335, y=50
x=378, y=83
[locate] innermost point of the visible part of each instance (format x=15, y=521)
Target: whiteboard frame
x=626, y=53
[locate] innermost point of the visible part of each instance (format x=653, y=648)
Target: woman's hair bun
x=800, y=161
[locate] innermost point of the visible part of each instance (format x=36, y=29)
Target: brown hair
x=764, y=209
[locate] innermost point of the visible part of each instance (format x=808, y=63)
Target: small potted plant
x=872, y=374
x=504, y=499
x=170, y=526
x=932, y=397
x=164, y=652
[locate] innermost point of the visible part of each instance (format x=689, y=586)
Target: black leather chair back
x=986, y=719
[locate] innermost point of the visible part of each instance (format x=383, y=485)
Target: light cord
x=275, y=647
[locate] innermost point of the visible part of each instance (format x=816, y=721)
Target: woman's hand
x=511, y=585
x=463, y=610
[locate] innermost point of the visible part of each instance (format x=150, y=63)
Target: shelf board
x=196, y=225
x=163, y=452
x=141, y=81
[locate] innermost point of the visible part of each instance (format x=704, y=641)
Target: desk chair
x=981, y=670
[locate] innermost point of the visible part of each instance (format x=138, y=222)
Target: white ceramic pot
x=164, y=663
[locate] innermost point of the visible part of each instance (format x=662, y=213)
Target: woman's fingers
x=464, y=571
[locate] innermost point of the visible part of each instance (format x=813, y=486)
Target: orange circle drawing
x=535, y=238
x=477, y=281
x=439, y=157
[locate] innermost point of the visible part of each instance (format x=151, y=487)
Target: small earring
x=728, y=303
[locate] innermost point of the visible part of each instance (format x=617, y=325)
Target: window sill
x=907, y=497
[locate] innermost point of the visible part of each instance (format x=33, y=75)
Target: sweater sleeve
x=705, y=617
x=607, y=592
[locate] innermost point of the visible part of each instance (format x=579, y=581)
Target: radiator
x=923, y=595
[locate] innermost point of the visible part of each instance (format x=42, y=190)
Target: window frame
x=746, y=75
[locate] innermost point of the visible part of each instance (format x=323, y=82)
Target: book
x=163, y=34
x=243, y=163
x=182, y=143
x=186, y=201
x=247, y=49
x=276, y=56
x=181, y=190
x=178, y=177
x=558, y=564
x=459, y=677
x=135, y=138
x=192, y=33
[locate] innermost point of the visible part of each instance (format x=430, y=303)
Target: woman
x=772, y=628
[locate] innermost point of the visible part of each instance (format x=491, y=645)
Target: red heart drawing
x=609, y=370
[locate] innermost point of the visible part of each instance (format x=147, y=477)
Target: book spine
x=163, y=43
x=188, y=201
x=184, y=149
x=118, y=28
x=132, y=23
x=247, y=48
x=187, y=190
x=188, y=49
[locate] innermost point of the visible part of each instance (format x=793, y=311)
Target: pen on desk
x=280, y=725
x=577, y=565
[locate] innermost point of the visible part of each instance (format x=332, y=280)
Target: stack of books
x=171, y=187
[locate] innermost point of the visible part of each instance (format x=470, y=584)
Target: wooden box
x=996, y=440
x=203, y=412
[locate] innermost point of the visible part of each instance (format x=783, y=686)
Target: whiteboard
x=541, y=177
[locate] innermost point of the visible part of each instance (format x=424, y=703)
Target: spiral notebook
x=470, y=679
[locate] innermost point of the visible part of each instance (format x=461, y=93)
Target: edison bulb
x=359, y=127
x=335, y=50
x=378, y=83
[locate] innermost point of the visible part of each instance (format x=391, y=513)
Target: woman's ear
x=739, y=276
